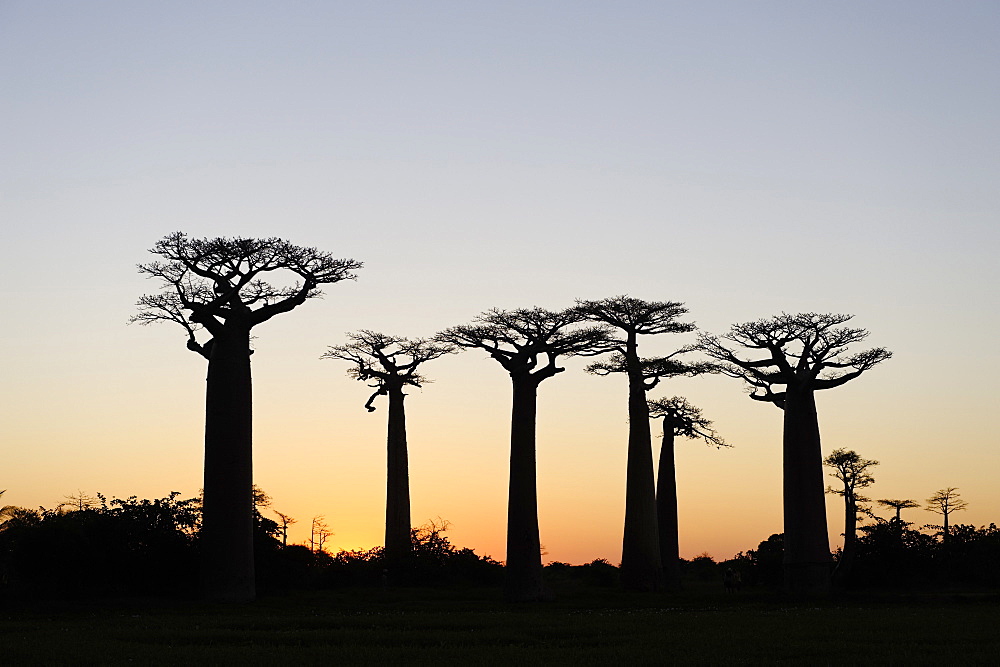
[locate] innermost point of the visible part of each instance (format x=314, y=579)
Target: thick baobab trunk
x=666, y=510
x=523, y=574
x=397, y=496
x=640, y=570
x=227, y=573
x=807, y=545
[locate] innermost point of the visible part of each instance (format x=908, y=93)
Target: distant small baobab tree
x=680, y=419
x=217, y=286
x=785, y=360
x=898, y=505
x=641, y=569
x=389, y=364
x=946, y=502
x=284, y=521
x=527, y=343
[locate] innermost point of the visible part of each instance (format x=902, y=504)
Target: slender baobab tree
x=389, y=364
x=283, y=524
x=852, y=471
x=526, y=343
x=804, y=353
x=945, y=502
x=682, y=419
x=218, y=286
x=640, y=566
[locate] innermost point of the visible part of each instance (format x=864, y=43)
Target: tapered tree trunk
x=640, y=569
x=226, y=537
x=842, y=573
x=807, y=545
x=397, y=497
x=666, y=510
x=523, y=572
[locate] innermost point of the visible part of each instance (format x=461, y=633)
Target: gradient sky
x=746, y=158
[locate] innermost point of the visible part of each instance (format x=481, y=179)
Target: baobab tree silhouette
x=804, y=353
x=898, y=504
x=526, y=343
x=945, y=502
x=216, y=285
x=390, y=364
x=679, y=418
x=852, y=471
x=640, y=566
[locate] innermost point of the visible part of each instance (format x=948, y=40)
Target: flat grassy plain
x=584, y=626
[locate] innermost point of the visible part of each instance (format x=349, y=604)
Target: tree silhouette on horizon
x=390, y=363
x=679, y=418
x=898, y=505
x=526, y=343
x=217, y=286
x=946, y=502
x=804, y=353
x=851, y=470
x=641, y=569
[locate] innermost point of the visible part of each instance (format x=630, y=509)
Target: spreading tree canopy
x=784, y=360
x=388, y=364
x=527, y=343
x=223, y=288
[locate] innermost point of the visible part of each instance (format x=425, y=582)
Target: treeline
x=95, y=547
x=893, y=555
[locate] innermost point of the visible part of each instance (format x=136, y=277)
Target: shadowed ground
x=587, y=626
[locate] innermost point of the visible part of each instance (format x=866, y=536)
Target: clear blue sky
x=743, y=157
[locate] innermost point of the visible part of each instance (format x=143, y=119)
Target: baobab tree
x=527, y=344
x=216, y=286
x=945, y=502
x=680, y=419
x=898, y=504
x=389, y=364
x=640, y=566
x=283, y=524
x=852, y=471
x=803, y=353
x=319, y=533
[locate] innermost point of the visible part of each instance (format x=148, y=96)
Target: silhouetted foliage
x=802, y=353
x=682, y=419
x=641, y=567
x=388, y=364
x=217, y=285
x=120, y=547
x=526, y=343
x=761, y=566
x=433, y=560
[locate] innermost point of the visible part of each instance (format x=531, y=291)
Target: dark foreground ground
x=585, y=626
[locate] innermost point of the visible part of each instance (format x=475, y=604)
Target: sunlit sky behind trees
x=745, y=158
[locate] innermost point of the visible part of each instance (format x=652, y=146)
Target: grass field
x=585, y=626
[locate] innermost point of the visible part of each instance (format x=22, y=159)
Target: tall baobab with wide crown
x=680, y=419
x=640, y=567
x=389, y=364
x=217, y=286
x=791, y=357
x=526, y=343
